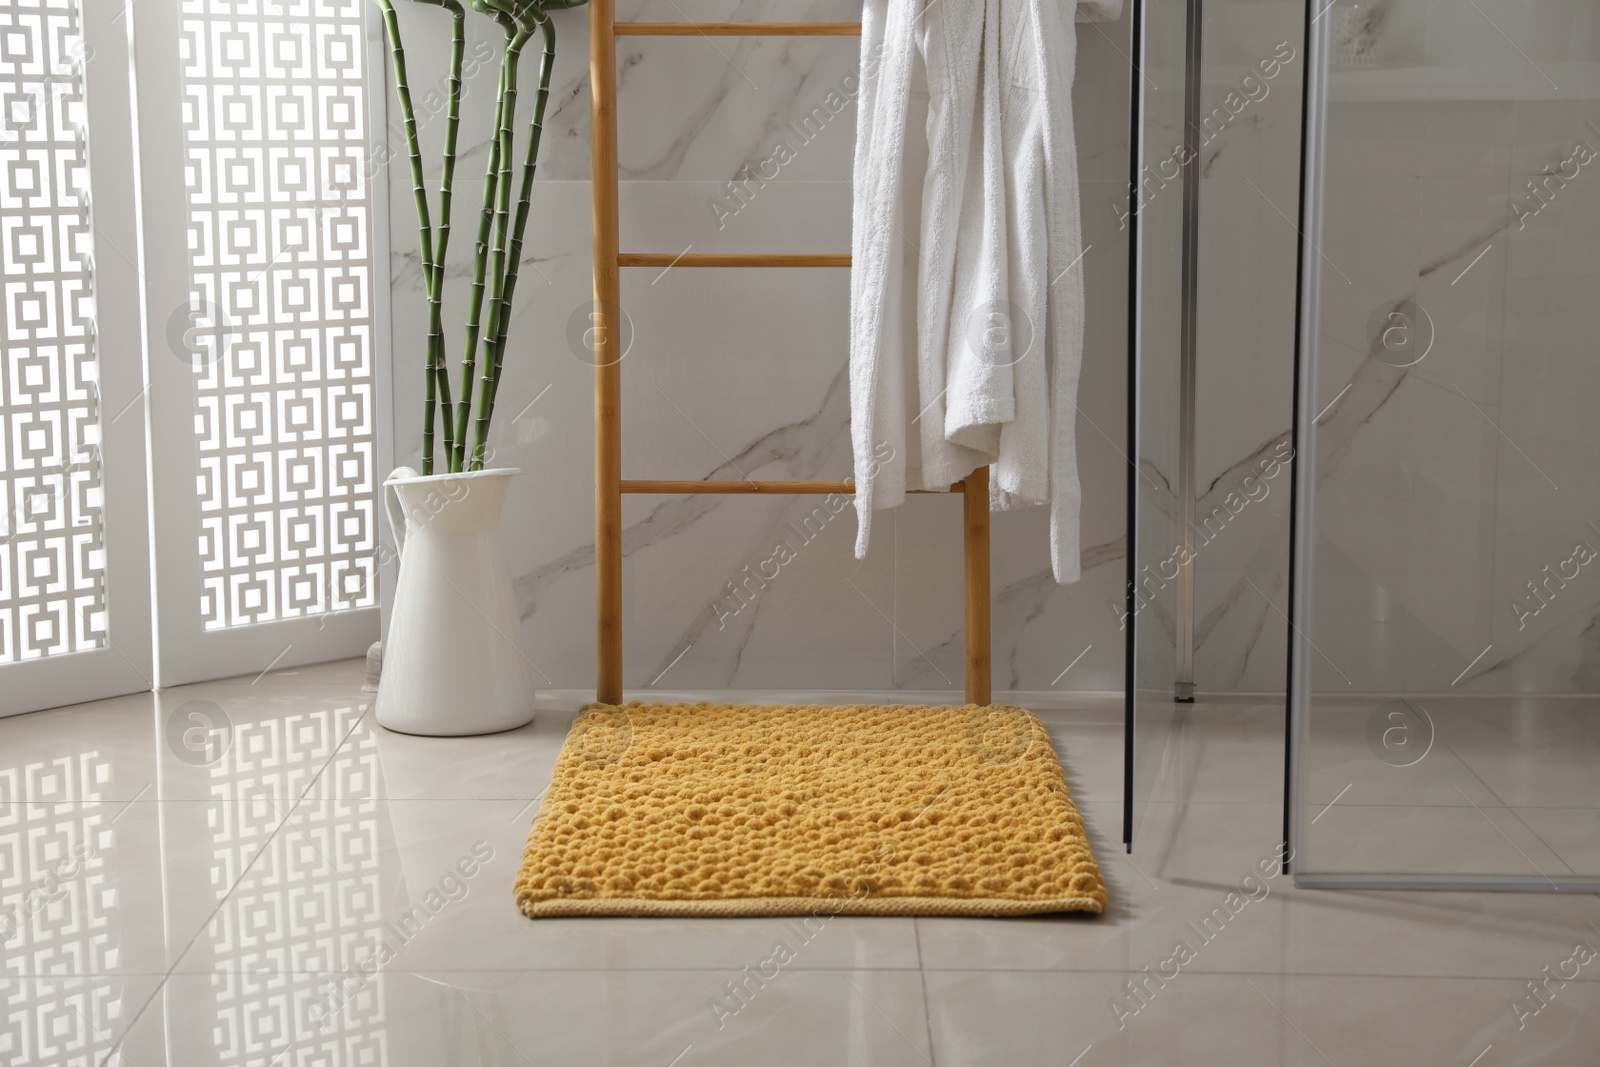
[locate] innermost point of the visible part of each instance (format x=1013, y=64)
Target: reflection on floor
x=1482, y=785
x=240, y=873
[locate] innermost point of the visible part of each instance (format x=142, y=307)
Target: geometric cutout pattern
x=278, y=328
x=288, y=939
x=52, y=539
x=304, y=911
x=57, y=908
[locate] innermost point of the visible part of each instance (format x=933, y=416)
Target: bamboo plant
x=498, y=251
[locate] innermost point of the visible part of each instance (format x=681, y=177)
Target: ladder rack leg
x=975, y=549
x=607, y=356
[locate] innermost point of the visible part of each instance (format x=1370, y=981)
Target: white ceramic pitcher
x=452, y=660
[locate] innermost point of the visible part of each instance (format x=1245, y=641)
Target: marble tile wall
x=1249, y=167
x=1452, y=484
x=732, y=374
x=1447, y=486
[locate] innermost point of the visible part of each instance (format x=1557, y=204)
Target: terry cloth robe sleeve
x=979, y=393
x=953, y=49
x=882, y=320
x=1058, y=65
x=1016, y=320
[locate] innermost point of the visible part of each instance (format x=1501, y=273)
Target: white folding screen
x=263, y=316
x=74, y=553
x=278, y=223
x=192, y=319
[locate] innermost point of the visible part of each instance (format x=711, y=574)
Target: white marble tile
x=1435, y=518
x=1400, y=139
x=609, y=1018
x=1245, y=298
x=1254, y=51
x=379, y=764
x=1449, y=839
x=1245, y=305
x=1443, y=501
x=194, y=743
x=1531, y=752
x=114, y=888
x=53, y=1018
x=692, y=108
x=425, y=885
x=1569, y=832
x=1188, y=860
x=1374, y=751
x=1212, y=752
x=1216, y=1020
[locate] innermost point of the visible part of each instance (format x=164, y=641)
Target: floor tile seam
x=222, y=901
x=552, y=969
x=1081, y=800
x=1514, y=811
x=264, y=795
x=922, y=983
x=1370, y=804
x=1455, y=975
x=1520, y=820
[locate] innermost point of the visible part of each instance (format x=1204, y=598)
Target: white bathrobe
x=967, y=287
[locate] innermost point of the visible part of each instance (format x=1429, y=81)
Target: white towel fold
x=967, y=291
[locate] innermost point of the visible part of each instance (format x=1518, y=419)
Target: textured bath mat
x=702, y=809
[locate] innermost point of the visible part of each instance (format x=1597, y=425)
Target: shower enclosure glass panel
x=1159, y=602
x=1445, y=723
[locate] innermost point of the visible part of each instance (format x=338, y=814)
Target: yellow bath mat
x=728, y=809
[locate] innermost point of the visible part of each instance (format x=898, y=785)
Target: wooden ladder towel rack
x=608, y=261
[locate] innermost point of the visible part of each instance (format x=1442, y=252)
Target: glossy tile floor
x=321, y=891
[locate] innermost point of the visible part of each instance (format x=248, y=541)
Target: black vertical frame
x=1135, y=315
x=1308, y=280
x=1193, y=16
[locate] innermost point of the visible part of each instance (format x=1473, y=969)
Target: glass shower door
x=1163, y=209
x=1444, y=716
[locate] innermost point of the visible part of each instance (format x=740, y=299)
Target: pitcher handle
x=393, y=508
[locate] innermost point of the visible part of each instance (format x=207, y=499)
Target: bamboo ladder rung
x=733, y=259
x=610, y=486
x=697, y=488
x=738, y=29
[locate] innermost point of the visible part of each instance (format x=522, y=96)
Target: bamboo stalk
x=452, y=128
x=438, y=373
x=524, y=206
x=391, y=25
x=502, y=224
x=452, y=122
x=480, y=264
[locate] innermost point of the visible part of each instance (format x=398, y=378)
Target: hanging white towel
x=967, y=292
